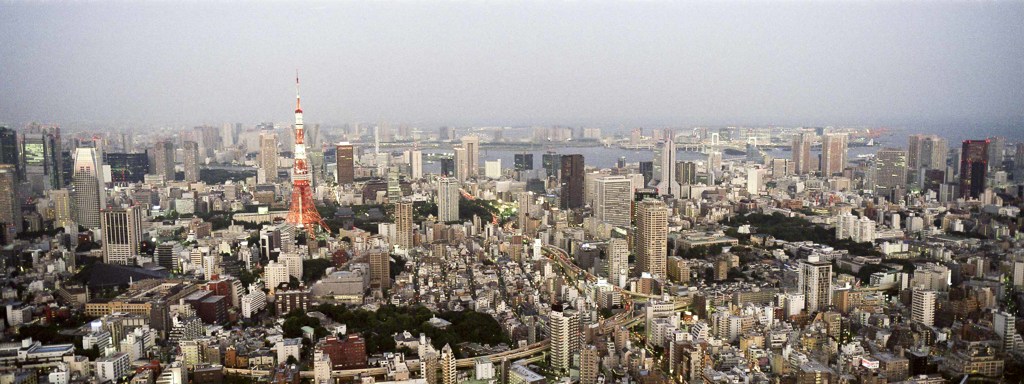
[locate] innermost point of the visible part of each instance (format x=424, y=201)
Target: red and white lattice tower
x=303, y=213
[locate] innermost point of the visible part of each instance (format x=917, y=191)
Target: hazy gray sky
x=604, y=63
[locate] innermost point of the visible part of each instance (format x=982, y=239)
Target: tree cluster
x=378, y=328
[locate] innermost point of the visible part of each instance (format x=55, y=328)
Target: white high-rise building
x=492, y=169
x=112, y=368
x=802, y=161
x=415, y=159
x=461, y=164
x=564, y=330
x=1005, y=325
x=447, y=199
x=618, y=261
x=275, y=274
x=714, y=162
x=922, y=308
x=471, y=144
x=665, y=162
x=293, y=262
x=612, y=200
x=253, y=302
x=753, y=181
x=857, y=229
x=865, y=232
x=816, y=283
x=89, y=193
x=833, y=153
x=122, y=234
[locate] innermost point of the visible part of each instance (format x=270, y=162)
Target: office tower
x=564, y=331
x=714, y=162
x=590, y=364
x=89, y=193
x=973, y=168
x=523, y=161
x=664, y=164
x=926, y=152
x=923, y=306
x=191, y=161
x=651, y=237
x=448, y=367
x=833, y=153
x=10, y=205
x=275, y=274
x=914, y=150
x=461, y=163
x=551, y=162
x=345, y=155
x=571, y=181
x=228, y=133
x=63, y=211
x=166, y=256
x=890, y=170
x=209, y=140
x=493, y=169
x=267, y=160
x=126, y=168
x=815, y=282
x=523, y=202
x=404, y=225
x=802, y=152
x=471, y=160
x=415, y=159
x=122, y=233
x=446, y=134
x=618, y=261
x=1018, y=162
x=429, y=367
x=686, y=172
x=9, y=149
x=996, y=146
x=781, y=167
x=610, y=202
x=394, y=189
x=41, y=157
x=447, y=199
x=163, y=160
x=1005, y=325
x=447, y=166
x=380, y=268
x=647, y=170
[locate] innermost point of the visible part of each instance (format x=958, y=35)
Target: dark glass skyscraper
x=551, y=162
x=647, y=169
x=572, y=181
x=41, y=157
x=523, y=161
x=973, y=168
x=447, y=166
x=345, y=162
x=127, y=167
x=9, y=148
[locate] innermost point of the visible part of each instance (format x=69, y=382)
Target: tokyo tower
x=303, y=212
